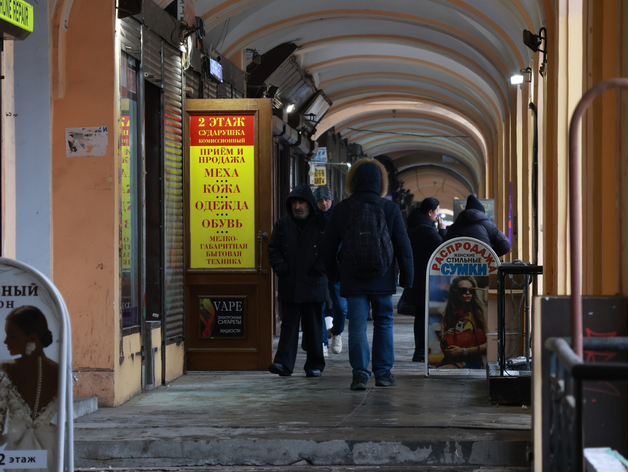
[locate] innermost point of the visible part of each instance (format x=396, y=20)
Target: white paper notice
x=86, y=141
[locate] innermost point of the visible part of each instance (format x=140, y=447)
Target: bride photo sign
x=35, y=371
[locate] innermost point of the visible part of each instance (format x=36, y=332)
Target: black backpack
x=366, y=243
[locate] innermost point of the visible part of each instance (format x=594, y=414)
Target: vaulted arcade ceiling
x=425, y=82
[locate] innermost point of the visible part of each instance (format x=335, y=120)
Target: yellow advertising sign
x=17, y=13
x=319, y=176
x=222, y=191
x=125, y=150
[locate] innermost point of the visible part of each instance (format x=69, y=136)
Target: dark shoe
x=419, y=355
x=359, y=381
x=313, y=373
x=386, y=380
x=279, y=369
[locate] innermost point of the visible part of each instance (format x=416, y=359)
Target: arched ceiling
x=423, y=82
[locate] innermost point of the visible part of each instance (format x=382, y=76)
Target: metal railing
x=567, y=375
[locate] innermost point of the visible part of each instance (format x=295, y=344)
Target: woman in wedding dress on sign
x=28, y=385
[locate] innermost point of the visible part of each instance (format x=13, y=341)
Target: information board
x=222, y=190
x=222, y=317
x=487, y=203
x=457, y=298
x=319, y=176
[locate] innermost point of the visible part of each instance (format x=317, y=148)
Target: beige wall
x=86, y=210
x=175, y=357
x=84, y=197
x=600, y=152
x=156, y=335
x=562, y=88
x=128, y=376
x=623, y=146
x=585, y=47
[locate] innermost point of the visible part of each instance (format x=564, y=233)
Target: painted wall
x=156, y=342
x=175, y=356
x=128, y=376
x=85, y=221
x=33, y=144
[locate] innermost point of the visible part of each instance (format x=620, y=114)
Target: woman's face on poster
x=16, y=339
x=465, y=290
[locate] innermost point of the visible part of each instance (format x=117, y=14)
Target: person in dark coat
x=295, y=256
x=368, y=181
x=424, y=238
x=472, y=222
x=336, y=306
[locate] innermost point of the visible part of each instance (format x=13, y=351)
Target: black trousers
x=310, y=316
x=419, y=323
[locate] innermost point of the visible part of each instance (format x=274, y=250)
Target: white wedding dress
x=25, y=431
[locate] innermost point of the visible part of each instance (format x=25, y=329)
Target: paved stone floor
x=257, y=419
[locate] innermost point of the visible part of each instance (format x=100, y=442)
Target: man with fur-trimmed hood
x=367, y=181
x=295, y=256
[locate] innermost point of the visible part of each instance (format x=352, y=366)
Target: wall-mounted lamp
x=524, y=75
x=533, y=41
x=516, y=79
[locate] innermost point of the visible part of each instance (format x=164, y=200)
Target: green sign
x=16, y=19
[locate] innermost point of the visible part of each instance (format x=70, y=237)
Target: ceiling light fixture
x=533, y=41
x=289, y=108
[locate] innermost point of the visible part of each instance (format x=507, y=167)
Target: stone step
x=306, y=468
x=275, y=447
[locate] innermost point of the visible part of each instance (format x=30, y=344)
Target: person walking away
x=424, y=239
x=295, y=256
x=472, y=222
x=372, y=233
x=337, y=309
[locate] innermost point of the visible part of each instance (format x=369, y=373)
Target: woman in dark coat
x=424, y=239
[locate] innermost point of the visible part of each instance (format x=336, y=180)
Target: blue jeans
x=325, y=335
x=383, y=347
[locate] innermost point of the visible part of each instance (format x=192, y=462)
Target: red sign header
x=227, y=130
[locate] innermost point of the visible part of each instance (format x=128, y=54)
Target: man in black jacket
x=294, y=254
x=473, y=223
x=424, y=238
x=367, y=181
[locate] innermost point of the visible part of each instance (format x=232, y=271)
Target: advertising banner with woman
x=35, y=394
x=457, y=287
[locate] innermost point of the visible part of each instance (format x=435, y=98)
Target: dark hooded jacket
x=294, y=253
x=368, y=181
x=424, y=239
x=475, y=224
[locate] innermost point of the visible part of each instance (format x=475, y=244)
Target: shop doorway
x=229, y=184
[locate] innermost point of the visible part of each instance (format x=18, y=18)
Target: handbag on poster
x=465, y=339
